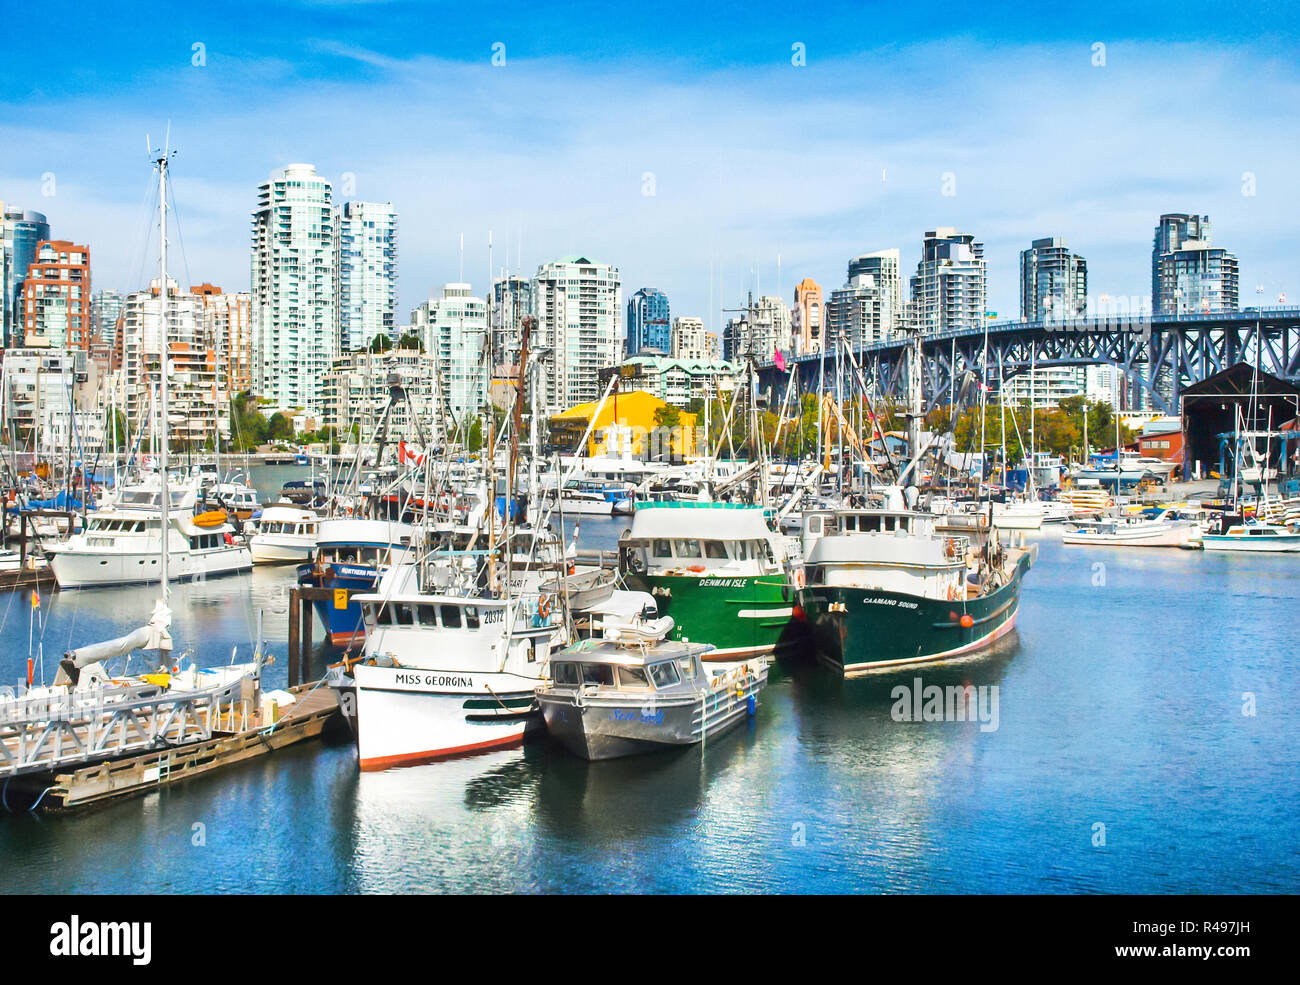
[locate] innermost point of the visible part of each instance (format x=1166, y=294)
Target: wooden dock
x=110, y=781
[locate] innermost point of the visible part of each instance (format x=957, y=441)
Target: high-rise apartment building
x=869, y=307
x=21, y=232
x=454, y=331
x=949, y=286
x=690, y=340
x=294, y=287
x=808, y=317
x=1053, y=281
x=1188, y=273
x=197, y=397
x=648, y=323
x=578, y=304
x=512, y=301
x=366, y=261
x=227, y=330
x=105, y=309
x=55, y=304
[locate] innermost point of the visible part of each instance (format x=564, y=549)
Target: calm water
x=1120, y=703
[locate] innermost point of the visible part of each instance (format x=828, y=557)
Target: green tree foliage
x=280, y=427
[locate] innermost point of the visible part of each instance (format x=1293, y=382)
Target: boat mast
x=162, y=369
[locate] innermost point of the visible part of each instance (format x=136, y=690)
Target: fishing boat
x=122, y=545
x=351, y=553
x=444, y=675
x=885, y=588
x=1018, y=515
x=635, y=692
x=719, y=569
x=1158, y=528
x=283, y=535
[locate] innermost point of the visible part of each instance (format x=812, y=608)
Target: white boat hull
x=1156, y=535
x=1281, y=544
x=87, y=568
x=267, y=549
x=404, y=716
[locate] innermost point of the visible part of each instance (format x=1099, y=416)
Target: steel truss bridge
x=1181, y=349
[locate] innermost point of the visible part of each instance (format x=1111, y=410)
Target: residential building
x=949, y=286
x=869, y=307
x=356, y=389
x=21, y=232
x=1053, y=281
x=105, y=310
x=677, y=381
x=55, y=303
x=807, y=319
x=690, y=340
x=228, y=331
x=512, y=301
x=885, y=268
x=53, y=401
x=648, y=323
x=1045, y=387
x=366, y=260
x=578, y=304
x=198, y=399
x=294, y=287
x=454, y=330
x=1188, y=273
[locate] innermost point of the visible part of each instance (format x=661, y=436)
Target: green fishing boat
x=718, y=569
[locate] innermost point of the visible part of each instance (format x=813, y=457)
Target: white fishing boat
x=283, y=535
x=1023, y=515
x=123, y=545
x=1167, y=528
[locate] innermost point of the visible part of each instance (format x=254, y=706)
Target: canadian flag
x=404, y=456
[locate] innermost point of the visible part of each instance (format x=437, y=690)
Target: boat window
x=471, y=617
x=814, y=525
x=428, y=614
x=663, y=548
x=598, y=674
x=385, y=617
x=742, y=550
x=687, y=667
x=565, y=673
x=664, y=674
x=715, y=549
x=688, y=548
x=889, y=523
x=451, y=617
x=633, y=677
x=405, y=614
x=871, y=524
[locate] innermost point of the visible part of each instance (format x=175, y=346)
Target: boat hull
x=860, y=630
x=1157, y=535
x=95, y=568
x=343, y=626
x=266, y=550
x=1251, y=545
x=741, y=616
x=596, y=728
x=403, y=716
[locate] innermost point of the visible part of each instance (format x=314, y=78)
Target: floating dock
x=233, y=734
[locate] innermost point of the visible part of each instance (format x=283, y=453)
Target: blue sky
x=752, y=157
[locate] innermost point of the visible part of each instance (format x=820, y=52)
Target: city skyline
x=705, y=216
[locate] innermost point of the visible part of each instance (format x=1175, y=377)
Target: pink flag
x=778, y=359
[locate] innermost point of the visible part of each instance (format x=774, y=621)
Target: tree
x=410, y=341
x=281, y=427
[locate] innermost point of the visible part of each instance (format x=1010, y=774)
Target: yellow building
x=630, y=424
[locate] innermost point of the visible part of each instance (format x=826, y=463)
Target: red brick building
x=56, y=297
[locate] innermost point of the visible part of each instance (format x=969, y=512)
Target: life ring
x=1110, y=502
x=950, y=547
x=543, y=607
x=798, y=578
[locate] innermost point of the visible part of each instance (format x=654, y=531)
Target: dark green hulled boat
x=718, y=569
x=885, y=589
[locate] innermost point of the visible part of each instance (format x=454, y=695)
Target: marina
x=887, y=806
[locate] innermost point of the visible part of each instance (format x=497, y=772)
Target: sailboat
x=84, y=674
